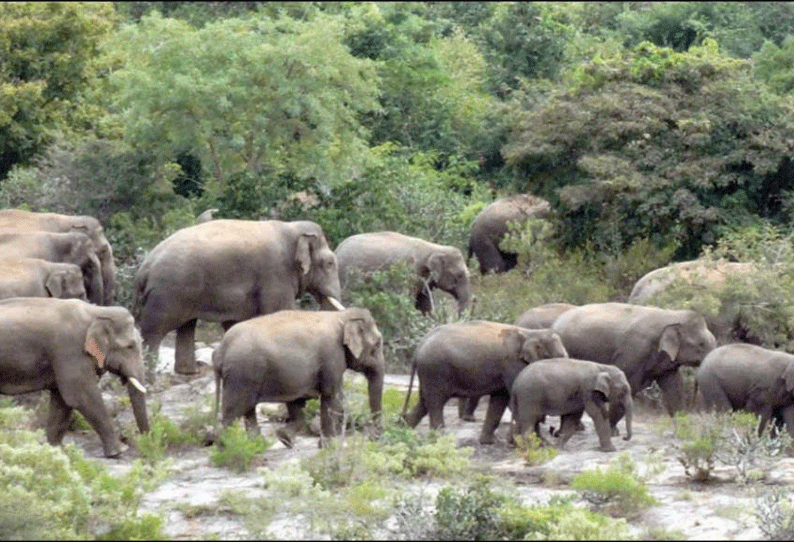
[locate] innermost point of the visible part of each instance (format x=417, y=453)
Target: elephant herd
x=555, y=360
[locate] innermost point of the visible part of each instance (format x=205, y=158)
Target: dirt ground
x=716, y=511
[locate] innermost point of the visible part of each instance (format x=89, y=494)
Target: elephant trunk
x=375, y=390
x=138, y=402
x=93, y=276
x=463, y=295
x=628, y=405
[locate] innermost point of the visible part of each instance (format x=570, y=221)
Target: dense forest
x=658, y=131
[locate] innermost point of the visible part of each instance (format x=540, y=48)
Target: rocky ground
x=723, y=509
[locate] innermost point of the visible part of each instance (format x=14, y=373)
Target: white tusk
x=134, y=381
x=337, y=305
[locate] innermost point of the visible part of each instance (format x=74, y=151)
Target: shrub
x=236, y=450
x=697, y=441
x=775, y=514
x=533, y=450
x=616, y=490
x=471, y=514
x=163, y=436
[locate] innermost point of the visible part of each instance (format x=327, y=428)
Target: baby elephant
x=291, y=356
x=567, y=388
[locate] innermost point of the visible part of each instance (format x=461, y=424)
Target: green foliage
x=236, y=450
x=469, y=515
x=164, y=436
x=775, y=514
x=775, y=66
x=698, y=438
x=616, y=490
x=533, y=450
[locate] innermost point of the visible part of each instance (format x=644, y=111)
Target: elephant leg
x=568, y=426
x=616, y=413
x=58, y=418
x=509, y=260
x=185, y=355
x=331, y=414
x=466, y=408
x=787, y=415
x=92, y=407
x=672, y=386
x=597, y=410
x=416, y=414
x=496, y=408
x=251, y=425
x=295, y=421
x=435, y=408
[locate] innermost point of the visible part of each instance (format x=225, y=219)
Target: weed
x=533, y=449
x=617, y=490
x=236, y=450
x=697, y=441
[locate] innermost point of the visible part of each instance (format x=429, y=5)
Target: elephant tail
x=217, y=368
x=139, y=292
x=410, y=385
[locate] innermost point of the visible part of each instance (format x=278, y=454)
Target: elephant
x=472, y=359
x=698, y=275
x=229, y=270
x=72, y=247
x=65, y=346
x=542, y=316
x=206, y=216
x=647, y=343
x=568, y=387
x=34, y=277
x=491, y=225
x=291, y=356
x=22, y=220
x=742, y=376
x=437, y=266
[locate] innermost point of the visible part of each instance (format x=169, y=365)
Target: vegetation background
x=659, y=131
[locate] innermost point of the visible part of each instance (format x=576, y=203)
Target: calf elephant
x=567, y=388
x=34, y=277
x=472, y=359
x=21, y=220
x=542, y=316
x=227, y=271
x=491, y=225
x=74, y=247
x=647, y=343
x=292, y=356
x=437, y=266
x=748, y=377
x=64, y=346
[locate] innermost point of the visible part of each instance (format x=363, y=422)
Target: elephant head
x=82, y=252
x=114, y=343
x=317, y=268
x=542, y=345
x=65, y=282
x=364, y=345
x=446, y=269
x=684, y=343
x=612, y=383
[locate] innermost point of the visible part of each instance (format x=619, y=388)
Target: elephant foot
x=610, y=448
x=468, y=418
x=487, y=439
x=115, y=451
x=284, y=436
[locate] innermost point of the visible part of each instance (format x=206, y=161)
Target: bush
x=471, y=514
x=616, y=491
x=533, y=450
x=775, y=514
x=164, y=436
x=236, y=450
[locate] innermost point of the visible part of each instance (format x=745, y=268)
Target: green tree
x=658, y=144
x=47, y=53
x=255, y=95
x=775, y=66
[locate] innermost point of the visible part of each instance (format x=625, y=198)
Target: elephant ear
x=602, y=383
x=303, y=252
x=670, y=341
x=514, y=341
x=97, y=341
x=353, y=336
x=54, y=284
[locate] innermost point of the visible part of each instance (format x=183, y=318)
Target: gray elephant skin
x=542, y=316
x=64, y=346
x=73, y=247
x=21, y=220
x=437, y=266
x=647, y=343
x=748, y=377
x=34, y=277
x=228, y=271
x=291, y=356
x=472, y=359
x=568, y=387
x=492, y=224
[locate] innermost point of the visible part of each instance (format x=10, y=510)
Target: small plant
x=775, y=514
x=472, y=514
x=752, y=455
x=163, y=436
x=534, y=450
x=617, y=490
x=236, y=450
x=698, y=437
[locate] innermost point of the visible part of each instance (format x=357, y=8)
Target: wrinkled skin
x=74, y=247
x=567, y=388
x=228, y=271
x=697, y=275
x=472, y=359
x=647, y=343
x=542, y=316
x=34, y=277
x=64, y=346
x=437, y=266
x=291, y=356
x=491, y=225
x=21, y=220
x=747, y=377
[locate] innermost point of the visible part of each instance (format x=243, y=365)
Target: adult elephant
x=291, y=356
x=542, y=316
x=34, y=277
x=21, y=220
x=436, y=266
x=472, y=359
x=64, y=346
x=568, y=387
x=698, y=275
x=492, y=224
x=227, y=271
x=73, y=247
x=748, y=377
x=647, y=343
